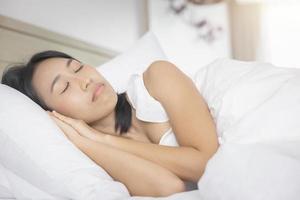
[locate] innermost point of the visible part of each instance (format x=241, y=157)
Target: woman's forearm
x=185, y=162
x=141, y=177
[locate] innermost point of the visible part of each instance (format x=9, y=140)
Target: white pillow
x=14, y=187
x=37, y=155
x=5, y=190
x=117, y=71
x=34, y=149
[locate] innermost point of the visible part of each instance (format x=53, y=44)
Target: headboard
x=19, y=41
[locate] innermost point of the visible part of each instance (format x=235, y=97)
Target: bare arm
x=185, y=162
x=188, y=112
x=189, y=117
x=142, y=177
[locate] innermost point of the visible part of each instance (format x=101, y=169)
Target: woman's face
x=74, y=89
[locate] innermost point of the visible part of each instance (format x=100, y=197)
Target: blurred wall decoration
x=188, y=9
x=180, y=39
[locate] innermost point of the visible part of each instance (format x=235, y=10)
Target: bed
x=255, y=106
x=19, y=40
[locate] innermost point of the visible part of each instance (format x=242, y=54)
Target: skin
x=90, y=125
x=76, y=101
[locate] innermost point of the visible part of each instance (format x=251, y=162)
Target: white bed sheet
x=190, y=195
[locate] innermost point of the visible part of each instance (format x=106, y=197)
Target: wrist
x=106, y=138
x=101, y=137
x=82, y=142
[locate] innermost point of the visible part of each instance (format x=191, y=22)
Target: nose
x=84, y=83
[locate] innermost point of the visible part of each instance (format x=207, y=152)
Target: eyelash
x=81, y=66
x=68, y=83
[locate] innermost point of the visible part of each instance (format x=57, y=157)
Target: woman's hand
x=68, y=130
x=79, y=126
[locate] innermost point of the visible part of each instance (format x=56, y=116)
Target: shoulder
x=158, y=67
x=162, y=76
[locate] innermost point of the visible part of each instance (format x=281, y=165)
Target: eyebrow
x=58, y=76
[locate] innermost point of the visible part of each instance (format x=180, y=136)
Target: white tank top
x=150, y=110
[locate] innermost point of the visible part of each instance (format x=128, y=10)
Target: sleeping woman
x=156, y=138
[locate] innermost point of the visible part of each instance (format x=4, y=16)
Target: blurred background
x=192, y=32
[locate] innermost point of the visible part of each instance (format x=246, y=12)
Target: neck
x=106, y=125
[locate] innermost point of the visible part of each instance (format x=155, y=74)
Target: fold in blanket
x=256, y=108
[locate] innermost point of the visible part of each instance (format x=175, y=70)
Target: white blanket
x=256, y=108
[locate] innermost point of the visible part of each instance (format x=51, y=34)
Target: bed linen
x=190, y=195
x=239, y=92
x=256, y=108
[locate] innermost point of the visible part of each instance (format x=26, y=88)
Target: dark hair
x=20, y=76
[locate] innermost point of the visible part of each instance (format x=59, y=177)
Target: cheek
x=94, y=74
x=63, y=108
x=72, y=105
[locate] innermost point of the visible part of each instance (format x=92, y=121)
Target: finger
x=52, y=116
x=82, y=129
x=49, y=113
x=75, y=123
x=60, y=123
x=78, y=125
x=68, y=130
x=64, y=118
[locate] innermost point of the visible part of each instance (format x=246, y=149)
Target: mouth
x=97, y=91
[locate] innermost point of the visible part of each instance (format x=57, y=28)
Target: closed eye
x=81, y=66
x=68, y=83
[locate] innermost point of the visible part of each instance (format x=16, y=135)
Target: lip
x=97, y=91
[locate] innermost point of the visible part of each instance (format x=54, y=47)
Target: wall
x=245, y=29
x=117, y=24
x=114, y=24
x=280, y=42
x=266, y=30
